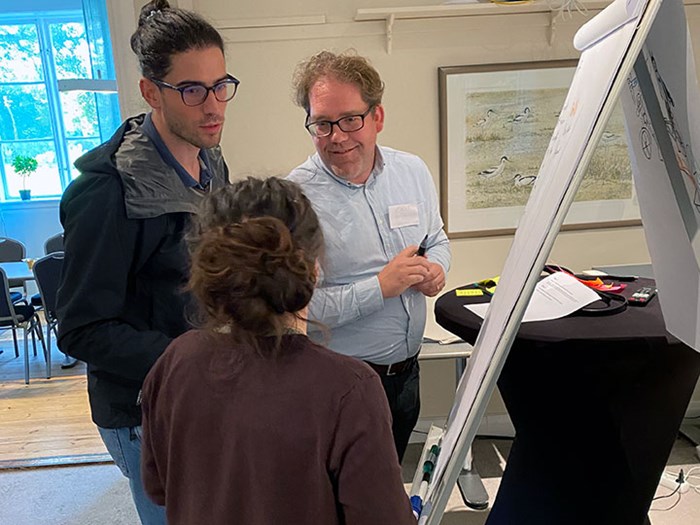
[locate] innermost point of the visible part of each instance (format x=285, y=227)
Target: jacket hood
x=101, y=158
x=151, y=187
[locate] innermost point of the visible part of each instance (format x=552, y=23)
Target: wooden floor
x=48, y=421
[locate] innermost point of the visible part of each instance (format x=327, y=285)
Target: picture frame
x=496, y=122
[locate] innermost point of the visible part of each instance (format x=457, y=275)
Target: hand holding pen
x=402, y=272
x=434, y=281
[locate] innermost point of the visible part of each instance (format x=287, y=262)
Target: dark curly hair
x=254, y=248
x=164, y=31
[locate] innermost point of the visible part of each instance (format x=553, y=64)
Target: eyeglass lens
x=195, y=95
x=324, y=128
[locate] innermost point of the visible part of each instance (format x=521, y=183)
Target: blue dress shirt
x=360, y=240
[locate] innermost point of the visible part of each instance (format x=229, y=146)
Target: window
x=54, y=64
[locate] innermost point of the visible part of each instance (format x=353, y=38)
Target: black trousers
x=403, y=393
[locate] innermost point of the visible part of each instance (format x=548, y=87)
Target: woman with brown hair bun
x=246, y=421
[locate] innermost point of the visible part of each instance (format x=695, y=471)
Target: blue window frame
x=57, y=90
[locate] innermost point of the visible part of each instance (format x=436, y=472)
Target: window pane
x=97, y=27
x=79, y=114
x=19, y=54
x=44, y=181
x=78, y=148
x=108, y=114
x=71, y=53
x=24, y=112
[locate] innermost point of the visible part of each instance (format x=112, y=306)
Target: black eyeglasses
x=195, y=94
x=323, y=128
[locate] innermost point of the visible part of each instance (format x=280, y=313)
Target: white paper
x=610, y=19
x=555, y=296
x=668, y=182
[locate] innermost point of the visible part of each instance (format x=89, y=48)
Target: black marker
x=423, y=246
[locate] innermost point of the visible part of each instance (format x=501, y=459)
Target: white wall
x=264, y=133
x=31, y=222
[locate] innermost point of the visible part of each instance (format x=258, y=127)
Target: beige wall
x=264, y=133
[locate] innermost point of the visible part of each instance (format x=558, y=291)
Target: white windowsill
x=33, y=204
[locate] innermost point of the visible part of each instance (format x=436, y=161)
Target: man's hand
x=434, y=281
x=402, y=272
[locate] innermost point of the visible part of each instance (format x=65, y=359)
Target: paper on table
x=555, y=296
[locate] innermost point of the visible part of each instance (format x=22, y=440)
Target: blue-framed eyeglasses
x=195, y=94
x=323, y=128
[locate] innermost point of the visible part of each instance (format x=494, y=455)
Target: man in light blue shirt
x=377, y=206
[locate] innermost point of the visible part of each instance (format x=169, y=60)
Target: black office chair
x=53, y=244
x=12, y=250
x=13, y=316
x=47, y=274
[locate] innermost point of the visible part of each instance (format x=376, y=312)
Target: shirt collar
x=205, y=174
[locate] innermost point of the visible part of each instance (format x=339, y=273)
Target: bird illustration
x=494, y=171
x=609, y=136
x=482, y=121
x=524, y=180
x=522, y=117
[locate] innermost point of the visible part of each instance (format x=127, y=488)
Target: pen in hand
x=423, y=246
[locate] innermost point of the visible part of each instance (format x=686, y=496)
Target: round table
x=596, y=403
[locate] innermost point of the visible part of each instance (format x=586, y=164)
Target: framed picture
x=496, y=122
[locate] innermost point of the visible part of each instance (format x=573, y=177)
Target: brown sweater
x=231, y=437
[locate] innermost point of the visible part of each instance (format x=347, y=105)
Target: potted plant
x=24, y=166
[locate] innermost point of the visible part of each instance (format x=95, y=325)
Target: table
x=17, y=271
x=469, y=482
x=596, y=403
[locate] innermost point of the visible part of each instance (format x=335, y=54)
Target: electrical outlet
x=669, y=481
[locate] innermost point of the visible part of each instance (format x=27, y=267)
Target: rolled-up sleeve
x=338, y=305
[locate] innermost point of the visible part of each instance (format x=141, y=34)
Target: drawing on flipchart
x=681, y=147
x=647, y=138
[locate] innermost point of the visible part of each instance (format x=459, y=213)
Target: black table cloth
x=596, y=403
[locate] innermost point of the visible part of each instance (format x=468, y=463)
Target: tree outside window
x=40, y=51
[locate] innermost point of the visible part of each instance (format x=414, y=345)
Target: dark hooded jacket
x=121, y=299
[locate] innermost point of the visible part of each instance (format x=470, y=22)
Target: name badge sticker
x=403, y=215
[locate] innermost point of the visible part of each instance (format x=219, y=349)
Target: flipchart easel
x=628, y=52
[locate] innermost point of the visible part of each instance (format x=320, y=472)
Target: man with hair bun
x=246, y=420
x=378, y=208
x=120, y=302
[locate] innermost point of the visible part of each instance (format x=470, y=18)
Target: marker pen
x=428, y=466
x=423, y=246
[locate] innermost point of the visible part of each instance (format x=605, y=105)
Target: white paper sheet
x=555, y=296
x=668, y=182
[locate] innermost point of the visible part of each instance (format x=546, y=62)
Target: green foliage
x=24, y=107
x=24, y=165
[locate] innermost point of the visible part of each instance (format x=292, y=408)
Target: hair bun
x=254, y=246
x=152, y=9
x=284, y=276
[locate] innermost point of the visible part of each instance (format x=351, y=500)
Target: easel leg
x=469, y=482
x=470, y=485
